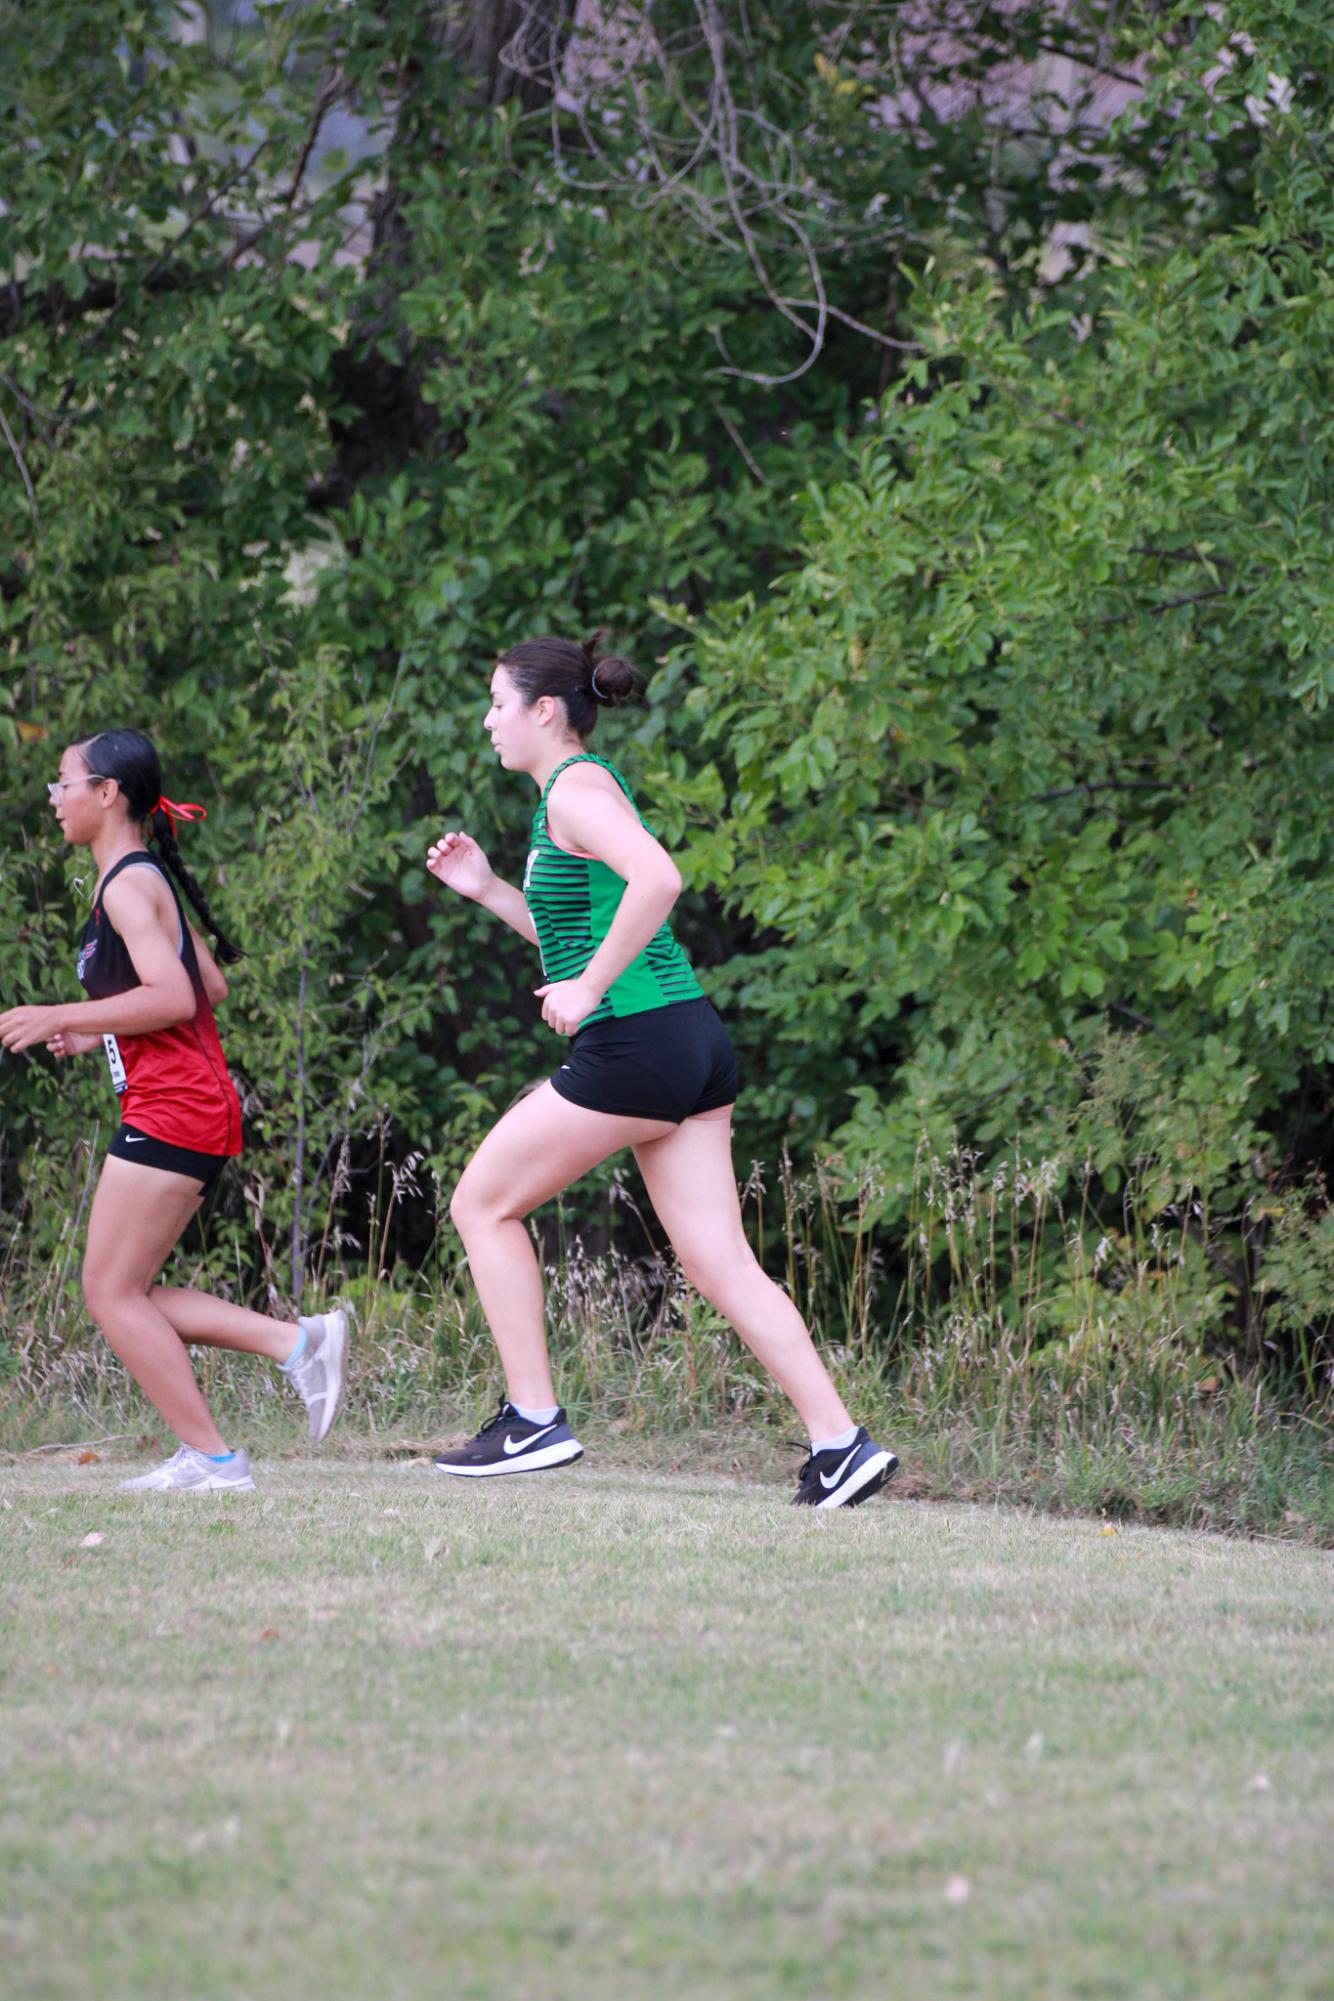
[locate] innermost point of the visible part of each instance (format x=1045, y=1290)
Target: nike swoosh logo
x=828, y=1480
x=513, y=1445
x=133, y=1140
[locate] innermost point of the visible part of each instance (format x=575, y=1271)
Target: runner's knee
x=470, y=1207
x=720, y=1276
x=92, y=1291
x=460, y=1207
x=101, y=1295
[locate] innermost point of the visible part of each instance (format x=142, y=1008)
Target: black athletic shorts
x=130, y=1144
x=667, y=1063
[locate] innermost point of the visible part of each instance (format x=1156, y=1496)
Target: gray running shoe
x=318, y=1376
x=189, y=1471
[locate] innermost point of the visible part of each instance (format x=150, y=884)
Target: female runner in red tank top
x=152, y=985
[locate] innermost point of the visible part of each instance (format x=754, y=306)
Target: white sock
x=839, y=1443
x=531, y=1415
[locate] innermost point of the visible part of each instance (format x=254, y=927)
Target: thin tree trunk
x=511, y=48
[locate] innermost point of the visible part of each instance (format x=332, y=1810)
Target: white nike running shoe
x=189, y=1471
x=318, y=1376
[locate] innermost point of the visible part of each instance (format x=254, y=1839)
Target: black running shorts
x=667, y=1063
x=130, y=1144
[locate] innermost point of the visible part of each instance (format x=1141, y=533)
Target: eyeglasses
x=55, y=786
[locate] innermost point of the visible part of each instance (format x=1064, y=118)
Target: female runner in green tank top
x=649, y=1066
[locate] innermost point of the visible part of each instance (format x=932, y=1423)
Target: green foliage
x=1028, y=739
x=1037, y=743
x=229, y=542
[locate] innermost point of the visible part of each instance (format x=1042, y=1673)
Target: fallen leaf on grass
x=958, y=1890
x=1110, y=1529
x=270, y=1633
x=1261, y=1783
x=88, y=1459
x=92, y=1539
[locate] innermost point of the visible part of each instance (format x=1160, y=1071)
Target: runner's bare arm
x=210, y=972
x=67, y=1042
x=506, y=902
x=457, y=861
x=164, y=996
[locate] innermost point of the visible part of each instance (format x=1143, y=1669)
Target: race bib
x=115, y=1063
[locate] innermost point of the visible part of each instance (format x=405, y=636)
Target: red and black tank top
x=172, y=1083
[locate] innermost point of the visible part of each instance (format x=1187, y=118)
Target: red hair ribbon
x=185, y=811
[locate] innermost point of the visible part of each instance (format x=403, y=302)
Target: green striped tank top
x=573, y=900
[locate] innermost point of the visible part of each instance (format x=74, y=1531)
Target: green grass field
x=616, y=1733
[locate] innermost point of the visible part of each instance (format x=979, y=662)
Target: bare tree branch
x=885, y=340
x=161, y=262
x=330, y=92
x=1167, y=604
x=512, y=47
x=13, y=444
x=739, y=442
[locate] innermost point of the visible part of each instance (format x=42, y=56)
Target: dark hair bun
x=613, y=678
x=572, y=671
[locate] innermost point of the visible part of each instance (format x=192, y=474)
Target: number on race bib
x=115, y=1063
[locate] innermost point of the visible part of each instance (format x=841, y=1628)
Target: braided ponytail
x=158, y=829
x=128, y=756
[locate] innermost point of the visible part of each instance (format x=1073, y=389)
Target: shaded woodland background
x=932, y=398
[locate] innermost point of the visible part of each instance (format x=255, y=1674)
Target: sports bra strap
x=137, y=858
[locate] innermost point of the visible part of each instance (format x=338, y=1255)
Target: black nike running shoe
x=508, y=1443
x=845, y=1476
